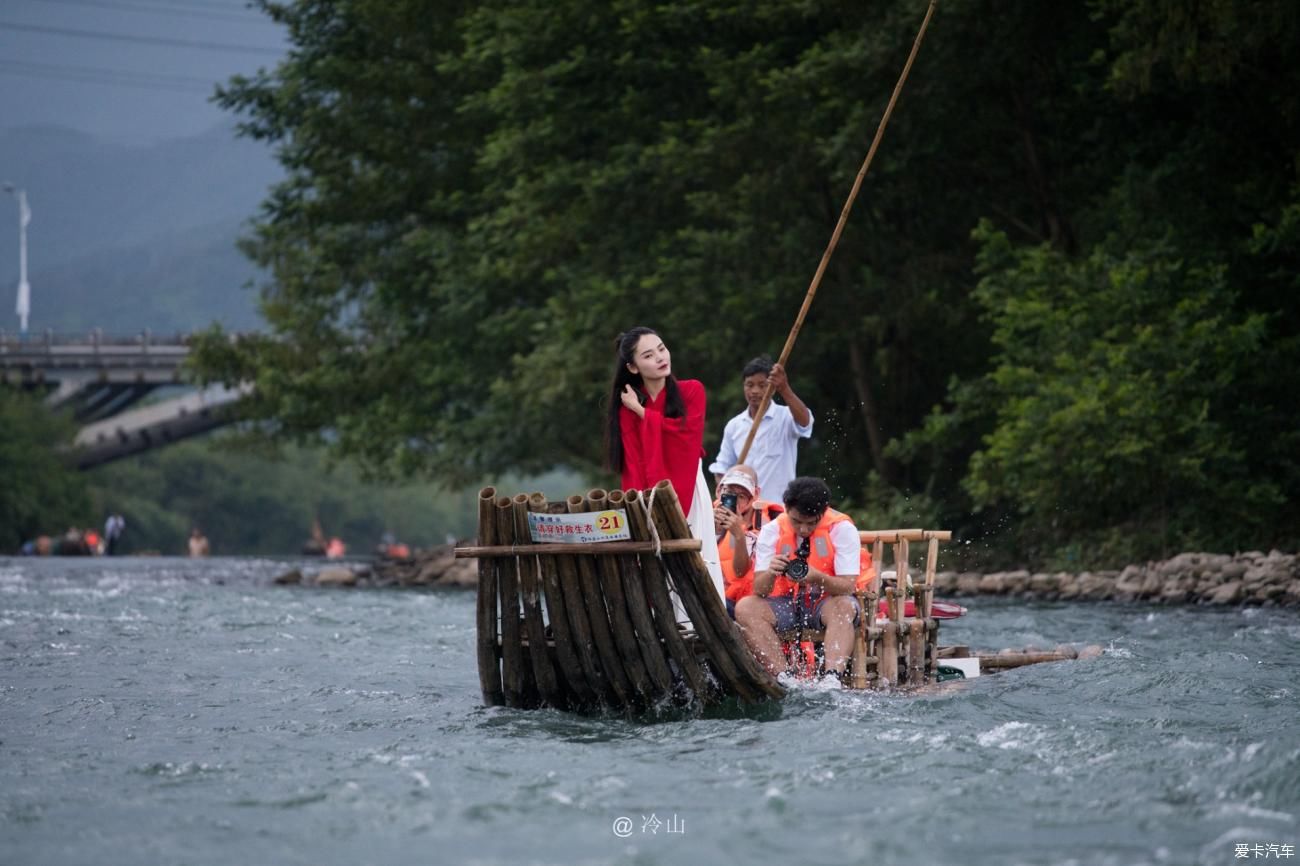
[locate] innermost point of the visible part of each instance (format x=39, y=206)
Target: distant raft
x=599, y=626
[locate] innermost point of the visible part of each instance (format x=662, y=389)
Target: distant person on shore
x=775, y=449
x=336, y=549
x=199, y=546
x=806, y=565
x=113, y=529
x=73, y=543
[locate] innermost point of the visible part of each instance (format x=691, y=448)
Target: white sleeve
x=848, y=548
x=766, y=547
x=805, y=431
x=726, y=453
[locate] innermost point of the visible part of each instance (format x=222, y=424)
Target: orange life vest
x=737, y=587
x=821, y=552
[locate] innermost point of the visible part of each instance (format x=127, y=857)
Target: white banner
x=587, y=527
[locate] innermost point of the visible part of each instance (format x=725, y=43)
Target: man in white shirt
x=775, y=448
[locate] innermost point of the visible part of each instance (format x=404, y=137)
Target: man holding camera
x=806, y=564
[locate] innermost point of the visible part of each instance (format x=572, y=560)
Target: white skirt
x=700, y=521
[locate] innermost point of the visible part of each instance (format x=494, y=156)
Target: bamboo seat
x=902, y=650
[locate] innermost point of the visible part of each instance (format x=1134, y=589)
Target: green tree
x=1113, y=403
x=476, y=204
x=39, y=492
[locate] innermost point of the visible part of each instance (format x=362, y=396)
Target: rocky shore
x=1252, y=578
x=435, y=567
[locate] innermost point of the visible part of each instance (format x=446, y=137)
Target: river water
x=178, y=712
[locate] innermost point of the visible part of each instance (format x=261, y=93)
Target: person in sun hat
x=737, y=522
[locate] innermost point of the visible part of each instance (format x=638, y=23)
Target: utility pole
x=24, y=306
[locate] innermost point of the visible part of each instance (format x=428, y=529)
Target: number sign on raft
x=587, y=527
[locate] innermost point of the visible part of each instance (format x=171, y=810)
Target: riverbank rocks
x=1188, y=578
x=434, y=567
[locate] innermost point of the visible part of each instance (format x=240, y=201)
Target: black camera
x=797, y=568
x=728, y=501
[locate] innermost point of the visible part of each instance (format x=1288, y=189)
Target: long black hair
x=624, y=347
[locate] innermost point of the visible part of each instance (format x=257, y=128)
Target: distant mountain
x=170, y=284
x=126, y=238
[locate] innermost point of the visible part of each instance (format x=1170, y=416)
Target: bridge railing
x=49, y=344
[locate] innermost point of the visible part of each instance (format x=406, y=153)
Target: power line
x=227, y=13
x=142, y=40
x=115, y=77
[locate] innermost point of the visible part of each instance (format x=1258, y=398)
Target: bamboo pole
x=516, y=677
x=915, y=652
x=870, y=536
x=733, y=653
x=1004, y=661
x=685, y=570
x=923, y=608
x=600, y=548
x=489, y=659
x=888, y=666
x=579, y=691
x=902, y=552
x=611, y=585
x=665, y=618
x=638, y=608
x=548, y=684
x=839, y=227
x=576, y=609
x=594, y=602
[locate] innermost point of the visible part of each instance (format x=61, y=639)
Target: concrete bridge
x=99, y=379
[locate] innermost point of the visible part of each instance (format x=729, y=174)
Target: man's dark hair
x=761, y=364
x=810, y=495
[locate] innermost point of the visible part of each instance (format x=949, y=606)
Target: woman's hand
x=631, y=401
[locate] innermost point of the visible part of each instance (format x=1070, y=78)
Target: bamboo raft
x=587, y=627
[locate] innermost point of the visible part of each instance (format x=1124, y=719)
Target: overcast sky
x=131, y=71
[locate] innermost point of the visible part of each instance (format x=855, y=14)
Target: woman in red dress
x=655, y=428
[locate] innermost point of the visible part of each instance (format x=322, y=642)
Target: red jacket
x=655, y=447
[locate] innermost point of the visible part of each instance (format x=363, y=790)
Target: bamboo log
x=931, y=649
x=931, y=563
x=611, y=584
x=594, y=602
x=489, y=664
x=893, y=536
x=858, y=663
x=1020, y=659
x=600, y=548
x=516, y=677
x=887, y=669
x=575, y=606
x=735, y=655
x=579, y=691
x=683, y=570
x=915, y=652
x=639, y=611
x=548, y=684
x=665, y=618
x=902, y=552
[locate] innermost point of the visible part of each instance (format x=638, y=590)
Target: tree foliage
x=480, y=198
x=39, y=493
